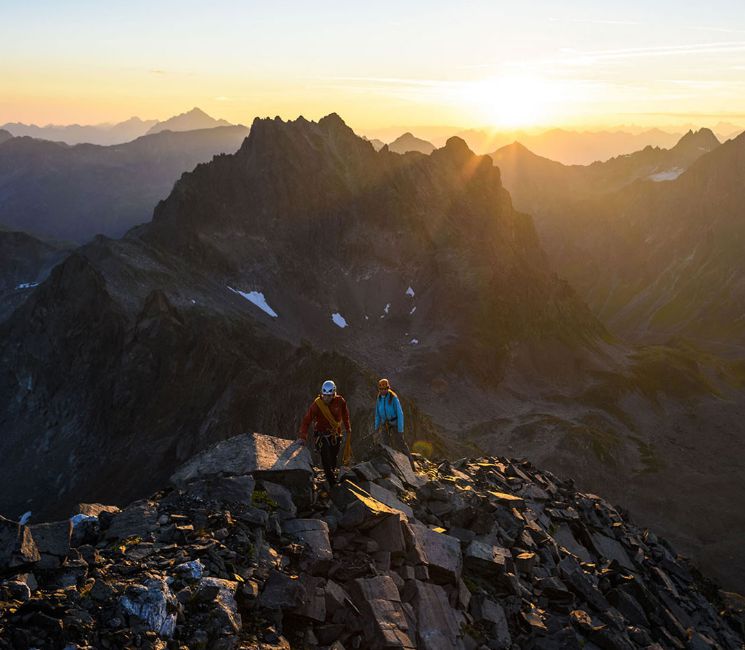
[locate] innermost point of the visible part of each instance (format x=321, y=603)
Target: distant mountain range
x=307, y=254
x=109, y=134
x=649, y=240
x=407, y=142
x=51, y=189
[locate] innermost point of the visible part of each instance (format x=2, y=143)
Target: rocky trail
x=242, y=551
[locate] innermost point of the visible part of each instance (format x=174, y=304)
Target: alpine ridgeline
x=307, y=255
x=475, y=553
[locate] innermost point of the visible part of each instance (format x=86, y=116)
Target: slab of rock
x=362, y=510
x=282, y=497
x=438, y=624
x=482, y=557
x=564, y=537
x=389, y=534
x=612, y=549
x=401, y=466
x=384, y=624
x=314, y=535
x=94, y=509
x=491, y=615
x=286, y=462
x=137, y=520
x=153, y=605
x=53, y=542
x=440, y=552
x=17, y=546
x=389, y=498
x=227, y=489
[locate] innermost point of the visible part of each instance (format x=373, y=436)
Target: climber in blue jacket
x=389, y=418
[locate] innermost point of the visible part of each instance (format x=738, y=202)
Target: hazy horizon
x=574, y=65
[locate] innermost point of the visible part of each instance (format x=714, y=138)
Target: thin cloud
x=590, y=56
x=157, y=71
x=594, y=21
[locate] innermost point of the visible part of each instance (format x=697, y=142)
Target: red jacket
x=338, y=408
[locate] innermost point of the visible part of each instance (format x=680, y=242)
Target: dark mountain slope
x=51, y=189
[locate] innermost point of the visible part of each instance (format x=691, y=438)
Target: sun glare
x=512, y=101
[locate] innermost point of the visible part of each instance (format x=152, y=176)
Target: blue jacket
x=388, y=409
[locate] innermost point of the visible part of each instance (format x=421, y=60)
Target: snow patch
x=667, y=175
x=387, y=307
x=79, y=518
x=257, y=298
x=27, y=285
x=414, y=341
x=410, y=292
x=413, y=309
x=339, y=320
x=24, y=518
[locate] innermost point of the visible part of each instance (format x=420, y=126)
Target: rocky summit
x=246, y=550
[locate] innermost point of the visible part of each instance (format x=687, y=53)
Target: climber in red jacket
x=329, y=413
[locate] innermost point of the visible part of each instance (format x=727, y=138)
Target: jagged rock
x=438, y=624
x=222, y=593
x=137, y=520
x=440, y=552
x=264, y=457
x=153, y=604
x=53, y=542
x=17, y=546
x=384, y=621
x=190, y=571
x=402, y=466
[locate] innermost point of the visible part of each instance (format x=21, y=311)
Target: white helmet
x=328, y=388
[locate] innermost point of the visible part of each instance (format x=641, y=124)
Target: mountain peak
x=703, y=138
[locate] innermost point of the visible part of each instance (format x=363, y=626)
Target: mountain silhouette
x=192, y=120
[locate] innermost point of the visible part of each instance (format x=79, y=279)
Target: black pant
x=395, y=439
x=328, y=446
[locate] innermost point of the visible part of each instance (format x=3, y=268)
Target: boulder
x=314, y=535
x=314, y=605
x=282, y=592
x=482, y=557
x=137, y=520
x=53, y=542
x=440, y=552
x=264, y=457
x=491, y=615
x=385, y=624
x=152, y=605
x=438, y=624
x=612, y=549
x=17, y=546
x=362, y=510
